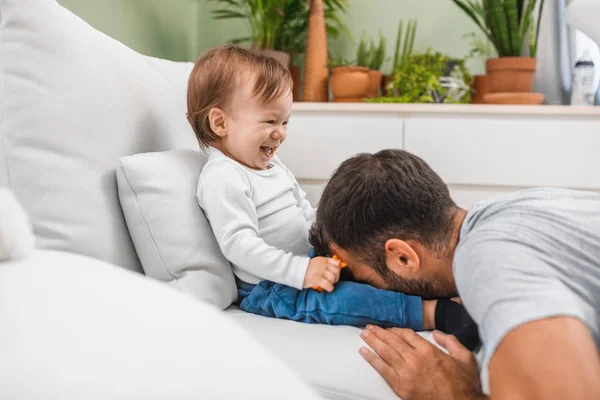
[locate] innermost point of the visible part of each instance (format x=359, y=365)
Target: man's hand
x=323, y=272
x=416, y=369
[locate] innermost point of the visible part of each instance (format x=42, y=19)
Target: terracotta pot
x=384, y=83
x=511, y=74
x=349, y=84
x=295, y=71
x=481, y=87
x=375, y=78
x=523, y=98
x=281, y=56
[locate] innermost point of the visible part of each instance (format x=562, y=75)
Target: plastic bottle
x=583, y=81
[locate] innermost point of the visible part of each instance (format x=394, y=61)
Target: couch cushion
x=72, y=102
x=89, y=330
x=326, y=356
x=172, y=236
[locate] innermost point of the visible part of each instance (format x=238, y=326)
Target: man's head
x=239, y=101
x=391, y=218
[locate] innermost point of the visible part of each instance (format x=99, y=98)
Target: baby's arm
x=225, y=195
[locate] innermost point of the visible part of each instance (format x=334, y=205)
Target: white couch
x=75, y=107
x=75, y=322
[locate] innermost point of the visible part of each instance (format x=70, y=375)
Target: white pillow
x=76, y=328
x=584, y=16
x=72, y=102
x=171, y=235
x=16, y=236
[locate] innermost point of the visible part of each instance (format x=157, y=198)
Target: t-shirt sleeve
x=504, y=284
x=225, y=195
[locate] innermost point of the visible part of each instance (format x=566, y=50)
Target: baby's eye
x=271, y=121
x=285, y=122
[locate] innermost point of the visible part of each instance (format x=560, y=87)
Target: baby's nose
x=278, y=134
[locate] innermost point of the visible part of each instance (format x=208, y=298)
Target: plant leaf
x=397, y=49
x=241, y=40
x=499, y=18
x=512, y=18
x=537, y=29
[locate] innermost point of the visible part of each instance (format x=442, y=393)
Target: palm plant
x=280, y=24
x=264, y=17
x=291, y=36
x=506, y=23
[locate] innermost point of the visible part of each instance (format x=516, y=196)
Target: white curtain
x=558, y=50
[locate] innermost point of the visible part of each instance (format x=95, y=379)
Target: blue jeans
x=350, y=303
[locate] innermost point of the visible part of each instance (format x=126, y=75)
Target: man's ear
x=401, y=257
x=218, y=122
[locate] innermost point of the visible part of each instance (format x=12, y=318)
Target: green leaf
x=499, y=18
x=226, y=14
x=397, y=48
x=362, y=53
x=473, y=12
x=411, y=41
x=520, y=5
x=537, y=30
x=241, y=40
x=527, y=18
x=406, y=45
x=512, y=18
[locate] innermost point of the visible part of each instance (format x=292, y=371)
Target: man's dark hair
x=372, y=198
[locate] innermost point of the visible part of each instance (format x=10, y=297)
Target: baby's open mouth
x=268, y=150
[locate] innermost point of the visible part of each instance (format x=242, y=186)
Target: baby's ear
x=218, y=122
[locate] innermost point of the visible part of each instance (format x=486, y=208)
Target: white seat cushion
x=172, y=237
x=72, y=102
x=326, y=356
x=76, y=328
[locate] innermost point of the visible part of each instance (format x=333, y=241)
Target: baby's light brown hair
x=219, y=72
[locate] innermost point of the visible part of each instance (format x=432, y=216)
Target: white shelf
x=457, y=109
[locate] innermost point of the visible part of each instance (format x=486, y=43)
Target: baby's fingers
x=326, y=285
x=336, y=273
x=331, y=276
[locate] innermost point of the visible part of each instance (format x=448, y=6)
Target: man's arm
x=554, y=358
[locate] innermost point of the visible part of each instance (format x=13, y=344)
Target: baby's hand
x=323, y=272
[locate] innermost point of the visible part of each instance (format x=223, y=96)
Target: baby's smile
x=268, y=150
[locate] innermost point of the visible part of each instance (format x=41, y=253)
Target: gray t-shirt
x=527, y=256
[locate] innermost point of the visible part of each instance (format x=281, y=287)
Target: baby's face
x=255, y=131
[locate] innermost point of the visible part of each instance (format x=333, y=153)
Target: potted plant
x=479, y=49
x=265, y=17
x=430, y=77
x=292, y=33
x=509, y=25
x=279, y=27
x=349, y=82
x=402, y=50
x=372, y=56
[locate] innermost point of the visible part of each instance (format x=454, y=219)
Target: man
x=526, y=266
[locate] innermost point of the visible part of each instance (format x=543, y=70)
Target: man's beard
x=427, y=288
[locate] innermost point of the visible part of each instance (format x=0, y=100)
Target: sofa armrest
x=78, y=328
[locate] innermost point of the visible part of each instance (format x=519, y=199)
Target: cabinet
x=479, y=150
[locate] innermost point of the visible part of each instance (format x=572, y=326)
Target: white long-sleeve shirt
x=261, y=219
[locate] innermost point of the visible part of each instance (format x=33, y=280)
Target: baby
x=239, y=104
